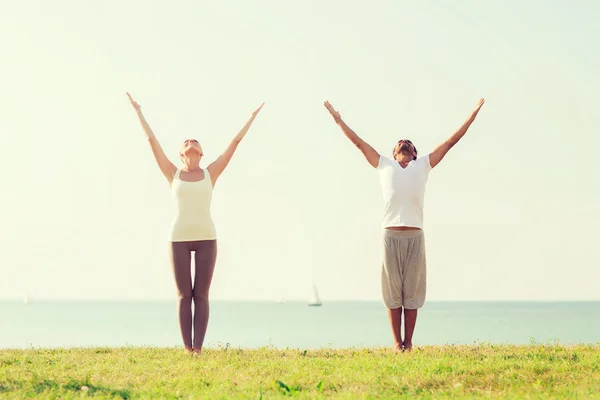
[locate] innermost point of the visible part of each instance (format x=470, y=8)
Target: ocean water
x=294, y=324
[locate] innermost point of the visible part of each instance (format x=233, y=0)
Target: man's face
x=405, y=148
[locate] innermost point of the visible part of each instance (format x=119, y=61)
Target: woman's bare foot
x=397, y=346
x=406, y=346
x=197, y=351
x=189, y=350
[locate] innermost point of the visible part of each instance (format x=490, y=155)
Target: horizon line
x=250, y=300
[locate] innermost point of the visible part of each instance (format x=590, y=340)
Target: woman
x=192, y=229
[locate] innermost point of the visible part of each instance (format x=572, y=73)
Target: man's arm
x=369, y=152
x=217, y=167
x=438, y=154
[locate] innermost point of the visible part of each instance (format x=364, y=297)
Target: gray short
x=404, y=272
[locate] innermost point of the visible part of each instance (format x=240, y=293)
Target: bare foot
x=407, y=346
x=197, y=351
x=397, y=346
x=189, y=350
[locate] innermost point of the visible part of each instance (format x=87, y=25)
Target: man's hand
x=336, y=115
x=476, y=110
x=255, y=113
x=134, y=103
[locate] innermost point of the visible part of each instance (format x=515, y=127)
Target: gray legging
x=205, y=257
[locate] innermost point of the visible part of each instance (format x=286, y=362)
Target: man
x=403, y=182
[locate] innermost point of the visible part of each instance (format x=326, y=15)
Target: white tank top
x=193, y=220
x=403, y=191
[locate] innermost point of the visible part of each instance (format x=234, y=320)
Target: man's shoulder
x=423, y=162
x=385, y=162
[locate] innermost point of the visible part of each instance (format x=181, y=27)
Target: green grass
x=534, y=371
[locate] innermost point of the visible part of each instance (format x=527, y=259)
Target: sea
x=335, y=324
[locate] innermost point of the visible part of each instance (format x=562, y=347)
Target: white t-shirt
x=403, y=191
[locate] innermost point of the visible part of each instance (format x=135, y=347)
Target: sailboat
x=27, y=298
x=315, y=301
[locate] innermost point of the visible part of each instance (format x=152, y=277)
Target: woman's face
x=191, y=146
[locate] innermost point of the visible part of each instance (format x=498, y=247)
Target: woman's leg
x=181, y=262
x=205, y=257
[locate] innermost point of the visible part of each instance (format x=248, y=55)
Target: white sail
x=315, y=300
x=27, y=298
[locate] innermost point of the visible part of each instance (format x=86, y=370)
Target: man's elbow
x=450, y=143
x=359, y=143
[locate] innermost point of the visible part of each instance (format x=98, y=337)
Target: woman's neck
x=191, y=164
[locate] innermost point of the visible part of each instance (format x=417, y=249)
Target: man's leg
x=415, y=284
x=410, y=320
x=391, y=285
x=396, y=323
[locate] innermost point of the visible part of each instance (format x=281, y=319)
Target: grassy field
x=453, y=371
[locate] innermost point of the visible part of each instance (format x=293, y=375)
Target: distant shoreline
x=301, y=301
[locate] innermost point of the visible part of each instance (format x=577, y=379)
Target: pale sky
x=511, y=213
